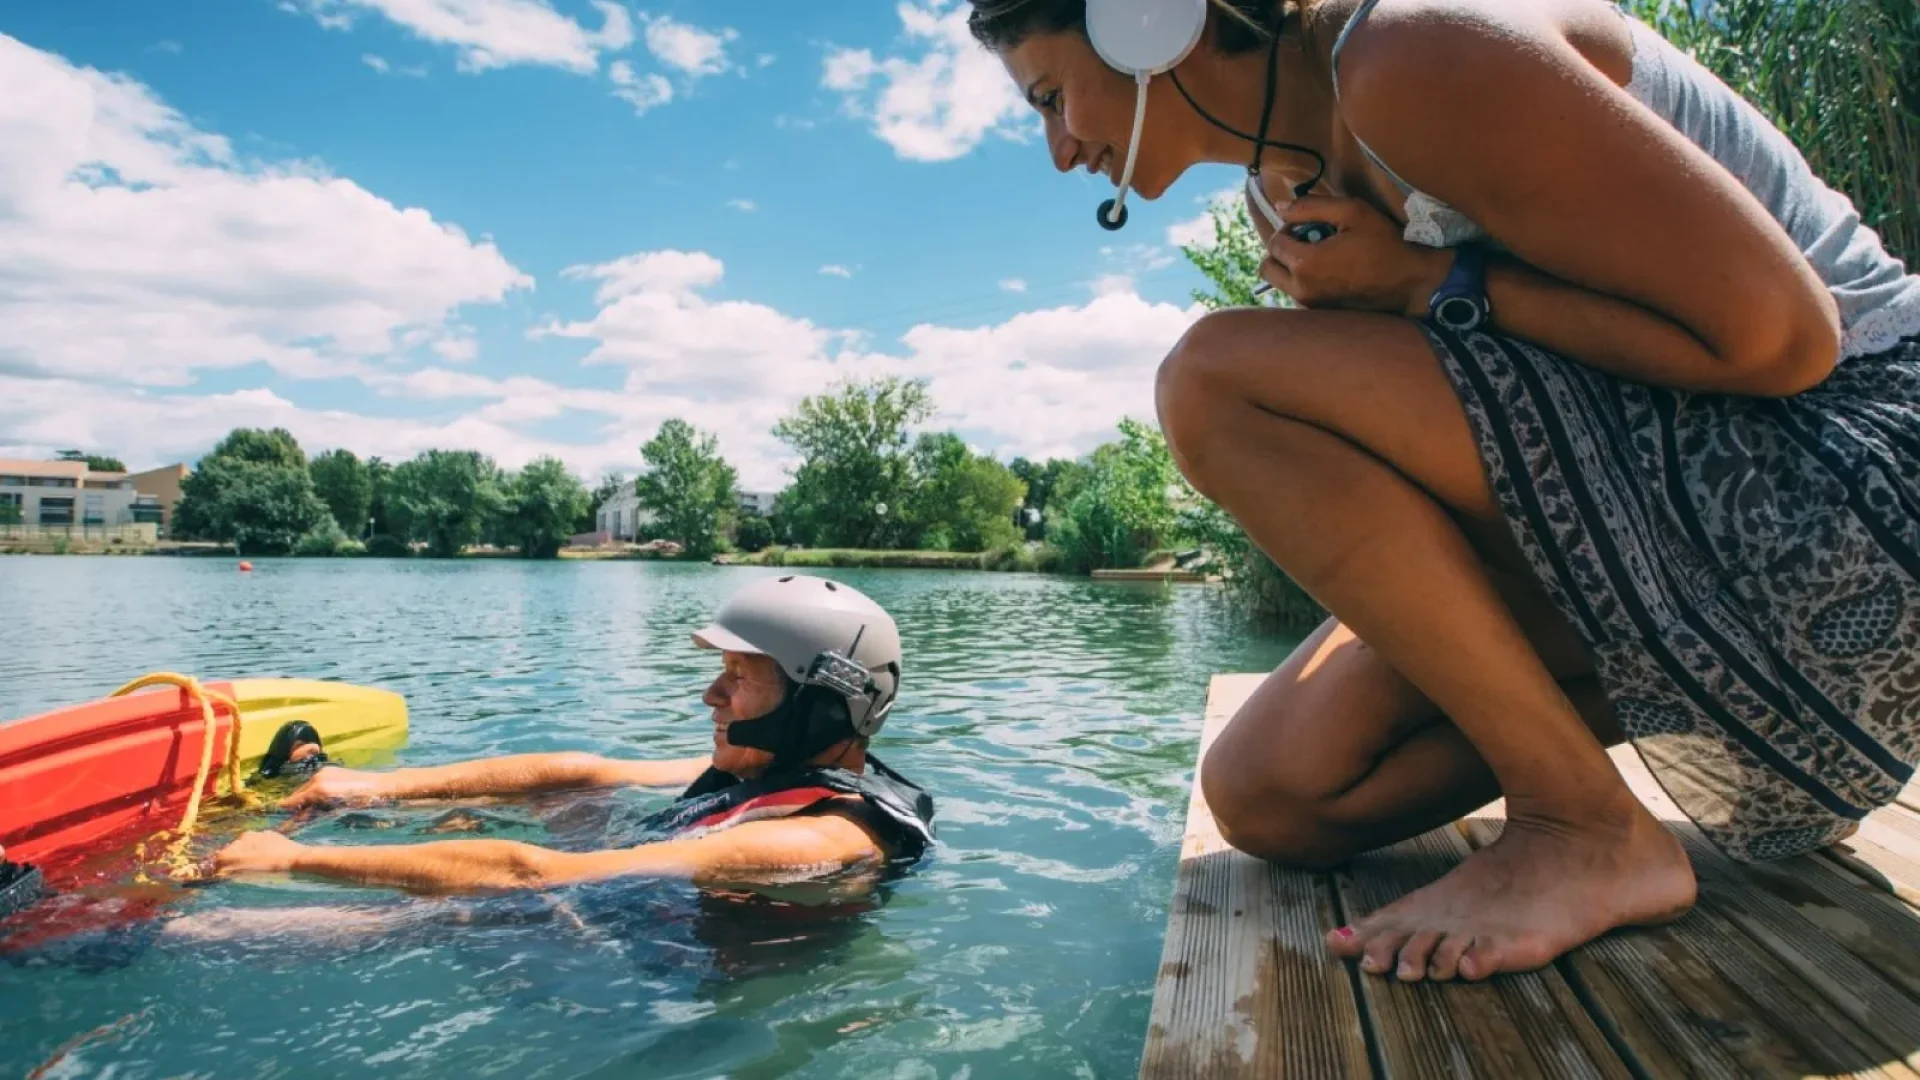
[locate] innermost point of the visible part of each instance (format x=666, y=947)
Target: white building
x=756, y=502
x=67, y=493
x=622, y=517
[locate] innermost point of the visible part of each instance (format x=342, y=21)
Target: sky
x=535, y=227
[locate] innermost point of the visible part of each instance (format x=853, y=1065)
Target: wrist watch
x=1460, y=303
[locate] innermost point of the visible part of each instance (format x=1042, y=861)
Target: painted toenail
x=1343, y=933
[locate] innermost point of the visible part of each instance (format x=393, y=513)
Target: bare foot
x=1542, y=889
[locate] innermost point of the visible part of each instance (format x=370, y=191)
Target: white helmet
x=821, y=633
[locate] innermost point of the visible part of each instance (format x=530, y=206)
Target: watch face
x=1458, y=313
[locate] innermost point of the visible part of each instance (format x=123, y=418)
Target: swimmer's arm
x=1653, y=262
x=758, y=852
x=517, y=774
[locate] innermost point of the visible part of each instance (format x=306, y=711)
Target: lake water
x=1054, y=720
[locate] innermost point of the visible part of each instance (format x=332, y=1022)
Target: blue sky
x=536, y=227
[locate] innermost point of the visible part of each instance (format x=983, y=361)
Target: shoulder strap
x=1359, y=15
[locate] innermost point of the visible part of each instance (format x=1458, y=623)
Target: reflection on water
x=1053, y=720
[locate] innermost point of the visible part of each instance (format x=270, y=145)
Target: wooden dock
x=1808, y=967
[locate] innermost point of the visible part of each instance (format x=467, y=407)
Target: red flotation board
x=111, y=772
x=79, y=776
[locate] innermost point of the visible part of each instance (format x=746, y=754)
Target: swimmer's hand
x=257, y=853
x=335, y=786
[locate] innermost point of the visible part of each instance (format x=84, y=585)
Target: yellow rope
x=235, y=785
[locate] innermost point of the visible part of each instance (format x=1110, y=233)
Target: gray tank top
x=1879, y=301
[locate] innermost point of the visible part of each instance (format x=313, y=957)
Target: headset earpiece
x=1143, y=38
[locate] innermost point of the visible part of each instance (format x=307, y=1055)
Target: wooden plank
x=1887, y=869
x=1246, y=987
x=1514, y=1026
x=1755, y=981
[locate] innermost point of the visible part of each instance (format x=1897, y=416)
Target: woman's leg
x=1338, y=443
x=1337, y=753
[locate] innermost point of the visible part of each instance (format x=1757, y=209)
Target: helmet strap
x=808, y=721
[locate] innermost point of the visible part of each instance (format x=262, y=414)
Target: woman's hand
x=1364, y=266
x=333, y=786
x=256, y=853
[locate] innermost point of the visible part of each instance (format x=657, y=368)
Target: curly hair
x=1245, y=25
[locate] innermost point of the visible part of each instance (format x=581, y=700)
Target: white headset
x=1144, y=38
x=1141, y=38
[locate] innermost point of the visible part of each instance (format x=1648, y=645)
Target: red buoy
x=245, y=566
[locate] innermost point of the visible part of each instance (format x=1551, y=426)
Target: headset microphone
x=1144, y=38
x=1141, y=38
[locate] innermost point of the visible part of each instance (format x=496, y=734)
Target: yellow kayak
x=355, y=723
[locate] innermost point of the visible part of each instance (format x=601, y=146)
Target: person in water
x=1595, y=419
x=810, y=670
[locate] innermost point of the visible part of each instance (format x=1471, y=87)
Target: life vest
x=901, y=811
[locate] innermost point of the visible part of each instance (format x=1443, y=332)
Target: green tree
x=444, y=498
x=1232, y=265
x=345, y=484
x=1232, y=262
x=378, y=474
x=253, y=491
x=544, y=505
x=1045, y=480
x=855, y=468
x=960, y=500
x=1840, y=78
x=95, y=462
x=687, y=487
x=752, y=532
x=1123, y=508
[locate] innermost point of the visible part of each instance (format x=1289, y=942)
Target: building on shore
x=162, y=485
x=622, y=517
x=756, y=502
x=67, y=494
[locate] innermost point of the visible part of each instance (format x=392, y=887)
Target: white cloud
x=168, y=46
x=380, y=64
x=939, y=105
x=765, y=59
x=798, y=123
x=643, y=92
x=136, y=247
x=675, y=273
x=689, y=49
x=745, y=206
x=138, y=252
x=1197, y=231
x=1044, y=382
x=148, y=428
x=836, y=270
x=491, y=33
x=1051, y=382
x=1014, y=284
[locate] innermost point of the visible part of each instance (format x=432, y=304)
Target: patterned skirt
x=1745, y=571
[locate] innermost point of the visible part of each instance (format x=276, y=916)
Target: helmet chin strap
x=805, y=723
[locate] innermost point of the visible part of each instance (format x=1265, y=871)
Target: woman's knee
x=1201, y=378
x=1257, y=813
